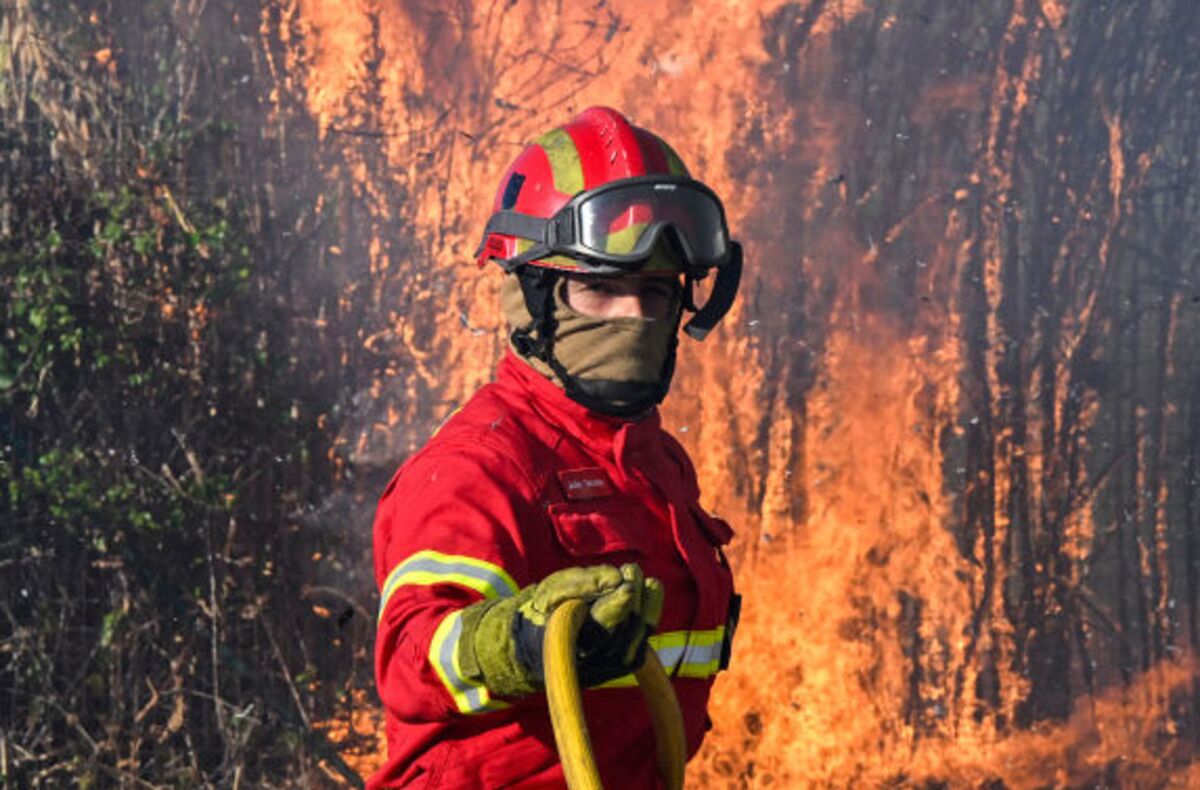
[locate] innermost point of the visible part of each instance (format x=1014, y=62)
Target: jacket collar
x=615, y=437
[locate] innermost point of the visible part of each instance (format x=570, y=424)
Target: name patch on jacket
x=585, y=483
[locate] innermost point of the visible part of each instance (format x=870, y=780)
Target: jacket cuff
x=488, y=649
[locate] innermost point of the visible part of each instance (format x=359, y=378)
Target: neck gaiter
x=622, y=362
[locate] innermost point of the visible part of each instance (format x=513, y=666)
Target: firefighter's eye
x=659, y=290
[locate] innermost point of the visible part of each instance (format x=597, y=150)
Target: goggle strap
x=725, y=289
x=688, y=298
x=511, y=265
x=514, y=223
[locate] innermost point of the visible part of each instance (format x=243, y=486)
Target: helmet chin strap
x=614, y=398
x=724, y=290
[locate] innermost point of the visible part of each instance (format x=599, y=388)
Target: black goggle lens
x=621, y=224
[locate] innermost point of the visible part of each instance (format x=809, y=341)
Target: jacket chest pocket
x=587, y=529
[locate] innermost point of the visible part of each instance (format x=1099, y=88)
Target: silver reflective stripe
x=689, y=655
x=703, y=654
x=684, y=654
x=695, y=656
x=469, y=697
x=705, y=657
x=669, y=656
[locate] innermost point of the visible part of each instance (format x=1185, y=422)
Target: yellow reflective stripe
x=565, y=165
x=685, y=654
x=674, y=163
x=433, y=567
x=623, y=682
x=701, y=656
x=469, y=696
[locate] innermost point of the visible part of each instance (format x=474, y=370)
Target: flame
x=360, y=734
x=877, y=647
x=765, y=735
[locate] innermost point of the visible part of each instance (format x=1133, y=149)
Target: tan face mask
x=625, y=363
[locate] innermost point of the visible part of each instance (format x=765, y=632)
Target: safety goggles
x=614, y=228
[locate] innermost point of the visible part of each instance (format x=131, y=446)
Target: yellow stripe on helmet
x=674, y=163
x=565, y=164
x=564, y=262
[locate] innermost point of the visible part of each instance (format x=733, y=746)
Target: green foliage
x=159, y=426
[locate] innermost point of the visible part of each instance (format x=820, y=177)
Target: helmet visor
x=621, y=224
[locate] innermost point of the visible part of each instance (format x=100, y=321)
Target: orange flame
x=855, y=665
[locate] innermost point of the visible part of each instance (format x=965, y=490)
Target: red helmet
x=599, y=146
x=597, y=196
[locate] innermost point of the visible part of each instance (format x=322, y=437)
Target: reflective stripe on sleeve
x=684, y=654
x=433, y=567
x=469, y=696
x=690, y=654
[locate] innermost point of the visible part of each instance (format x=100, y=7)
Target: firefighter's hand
x=501, y=642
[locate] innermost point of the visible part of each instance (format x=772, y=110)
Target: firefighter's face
x=651, y=296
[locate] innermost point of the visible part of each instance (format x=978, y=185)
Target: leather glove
x=501, y=641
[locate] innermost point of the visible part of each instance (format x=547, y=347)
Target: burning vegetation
x=964, y=484
x=955, y=415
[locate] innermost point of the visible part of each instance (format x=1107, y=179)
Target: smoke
x=905, y=414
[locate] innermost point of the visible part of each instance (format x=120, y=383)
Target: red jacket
x=519, y=483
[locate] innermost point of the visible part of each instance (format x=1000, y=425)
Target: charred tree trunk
x=1191, y=530
x=979, y=497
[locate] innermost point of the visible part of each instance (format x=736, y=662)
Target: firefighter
x=557, y=481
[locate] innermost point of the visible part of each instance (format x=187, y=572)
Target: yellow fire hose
x=566, y=706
